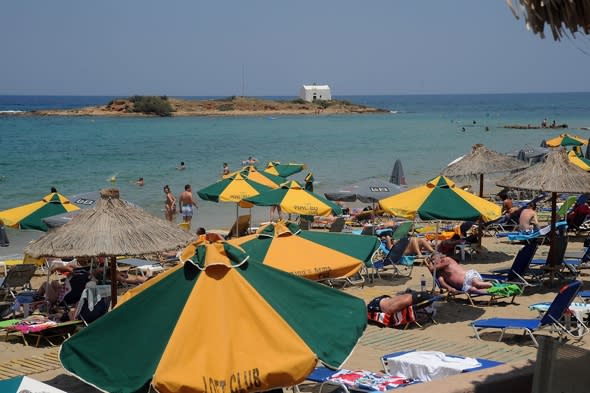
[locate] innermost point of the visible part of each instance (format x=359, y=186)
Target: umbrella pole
x=113, y=270
x=237, y=218
x=46, y=297
x=480, y=221
x=553, y=219
x=435, y=248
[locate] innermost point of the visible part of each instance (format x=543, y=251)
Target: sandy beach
x=452, y=333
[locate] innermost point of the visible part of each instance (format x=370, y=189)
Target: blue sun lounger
x=516, y=273
x=324, y=376
x=551, y=318
x=483, y=363
x=522, y=236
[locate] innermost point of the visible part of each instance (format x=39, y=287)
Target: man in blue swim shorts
x=186, y=204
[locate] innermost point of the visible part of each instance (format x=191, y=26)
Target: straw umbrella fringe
x=555, y=175
x=112, y=228
x=482, y=161
x=560, y=15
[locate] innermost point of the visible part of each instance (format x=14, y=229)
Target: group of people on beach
x=186, y=204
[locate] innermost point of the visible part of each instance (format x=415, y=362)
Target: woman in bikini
x=169, y=204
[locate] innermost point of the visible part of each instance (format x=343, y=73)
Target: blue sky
x=198, y=48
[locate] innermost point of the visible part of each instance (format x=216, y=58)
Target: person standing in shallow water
x=169, y=204
x=225, y=169
x=186, y=204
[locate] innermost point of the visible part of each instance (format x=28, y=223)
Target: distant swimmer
x=225, y=169
x=463, y=129
x=140, y=182
x=181, y=167
x=487, y=128
x=250, y=161
x=113, y=178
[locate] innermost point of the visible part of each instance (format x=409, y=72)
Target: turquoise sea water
x=425, y=132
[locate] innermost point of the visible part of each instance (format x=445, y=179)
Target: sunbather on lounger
x=453, y=277
x=390, y=305
x=416, y=246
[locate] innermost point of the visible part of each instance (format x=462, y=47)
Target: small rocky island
x=231, y=106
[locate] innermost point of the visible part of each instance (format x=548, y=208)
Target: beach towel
x=505, y=290
x=369, y=380
x=32, y=324
x=428, y=365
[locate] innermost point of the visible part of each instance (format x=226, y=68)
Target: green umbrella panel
x=569, y=141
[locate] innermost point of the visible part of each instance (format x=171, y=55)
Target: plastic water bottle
x=422, y=283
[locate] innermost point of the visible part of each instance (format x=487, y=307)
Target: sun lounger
x=143, y=267
x=431, y=365
x=473, y=298
x=240, y=227
x=517, y=272
x=356, y=380
x=551, y=318
x=400, y=265
x=18, y=277
x=554, y=264
x=41, y=328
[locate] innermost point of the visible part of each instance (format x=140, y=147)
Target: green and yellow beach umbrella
x=310, y=254
x=440, y=199
x=232, y=189
x=283, y=170
x=294, y=199
x=566, y=140
x=266, y=179
x=31, y=216
x=581, y=162
x=216, y=323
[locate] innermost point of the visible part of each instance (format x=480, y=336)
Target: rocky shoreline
x=232, y=106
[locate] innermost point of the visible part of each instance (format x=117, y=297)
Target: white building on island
x=312, y=93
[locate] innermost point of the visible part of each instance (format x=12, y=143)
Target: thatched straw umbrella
x=481, y=161
x=555, y=175
x=560, y=15
x=111, y=229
